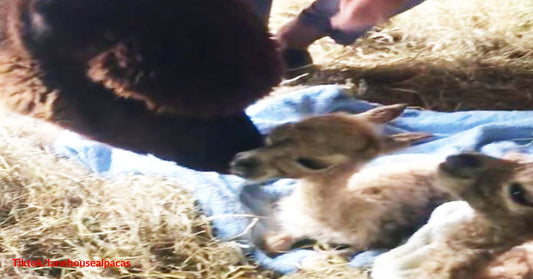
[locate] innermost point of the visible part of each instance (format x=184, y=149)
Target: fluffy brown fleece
x=165, y=77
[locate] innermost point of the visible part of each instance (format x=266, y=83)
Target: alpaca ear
x=399, y=141
x=383, y=114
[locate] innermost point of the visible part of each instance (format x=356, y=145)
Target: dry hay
x=327, y=264
x=51, y=208
x=442, y=55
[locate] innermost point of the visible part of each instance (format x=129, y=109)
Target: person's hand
x=360, y=14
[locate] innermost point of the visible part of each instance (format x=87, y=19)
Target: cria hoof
x=278, y=243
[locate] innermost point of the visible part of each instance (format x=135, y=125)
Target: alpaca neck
x=319, y=188
x=500, y=231
x=477, y=242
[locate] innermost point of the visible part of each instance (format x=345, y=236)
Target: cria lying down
x=477, y=237
x=332, y=202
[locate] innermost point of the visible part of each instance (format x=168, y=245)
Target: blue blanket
x=232, y=202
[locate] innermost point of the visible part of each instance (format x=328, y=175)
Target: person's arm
x=360, y=14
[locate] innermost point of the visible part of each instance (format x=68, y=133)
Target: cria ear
x=399, y=141
x=383, y=114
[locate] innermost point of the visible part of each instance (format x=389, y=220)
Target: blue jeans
x=262, y=8
x=318, y=16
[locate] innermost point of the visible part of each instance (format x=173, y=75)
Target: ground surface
x=442, y=55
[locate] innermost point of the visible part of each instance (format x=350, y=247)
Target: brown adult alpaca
x=165, y=77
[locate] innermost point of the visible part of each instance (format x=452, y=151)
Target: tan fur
x=516, y=263
x=472, y=239
x=332, y=202
x=369, y=209
x=343, y=204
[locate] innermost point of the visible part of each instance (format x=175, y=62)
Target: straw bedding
x=52, y=208
x=443, y=55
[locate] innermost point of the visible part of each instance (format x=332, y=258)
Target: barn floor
x=443, y=55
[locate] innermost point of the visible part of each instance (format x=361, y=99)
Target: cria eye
x=519, y=194
x=311, y=163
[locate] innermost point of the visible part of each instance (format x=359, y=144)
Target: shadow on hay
x=445, y=86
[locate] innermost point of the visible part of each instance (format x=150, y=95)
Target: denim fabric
x=229, y=198
x=262, y=8
x=318, y=16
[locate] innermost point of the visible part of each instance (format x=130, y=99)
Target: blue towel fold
x=221, y=196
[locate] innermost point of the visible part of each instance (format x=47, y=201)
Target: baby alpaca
x=166, y=77
x=516, y=263
x=463, y=237
x=332, y=203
